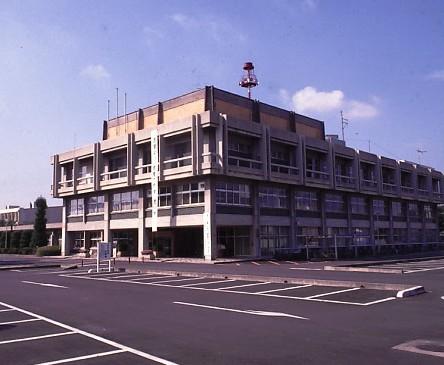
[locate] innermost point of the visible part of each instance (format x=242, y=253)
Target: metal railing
x=244, y=162
x=423, y=192
x=345, y=180
x=388, y=187
x=177, y=162
x=143, y=169
x=317, y=175
x=407, y=189
x=116, y=174
x=66, y=184
x=373, y=184
x=83, y=180
x=284, y=169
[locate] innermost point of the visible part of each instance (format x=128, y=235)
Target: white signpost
x=104, y=252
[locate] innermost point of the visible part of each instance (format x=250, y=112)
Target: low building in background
x=212, y=174
x=17, y=219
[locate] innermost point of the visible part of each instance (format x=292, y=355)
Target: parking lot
x=412, y=267
x=54, y=316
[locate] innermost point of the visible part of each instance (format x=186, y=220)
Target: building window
x=274, y=238
x=309, y=236
x=428, y=212
x=382, y=235
x=164, y=196
x=233, y=241
x=359, y=205
x=307, y=200
x=413, y=210
x=415, y=235
x=400, y=235
x=79, y=240
x=341, y=234
x=334, y=203
x=128, y=200
x=361, y=236
x=148, y=197
x=96, y=204
x=76, y=207
x=187, y=194
x=95, y=237
x=398, y=209
x=379, y=207
x=232, y=194
x=273, y=197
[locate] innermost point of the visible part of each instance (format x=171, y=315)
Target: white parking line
x=331, y=293
x=242, y=286
x=274, y=263
x=6, y=310
x=256, y=263
x=305, y=268
x=93, y=356
x=421, y=270
x=291, y=287
x=45, y=284
x=207, y=283
x=134, y=276
x=95, y=337
x=155, y=277
x=175, y=280
x=37, y=337
x=249, y=311
x=21, y=321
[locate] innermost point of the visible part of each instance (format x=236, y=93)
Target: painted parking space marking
x=415, y=347
x=255, y=263
x=274, y=262
x=73, y=330
x=243, y=286
x=306, y=268
x=155, y=277
x=282, y=289
x=209, y=282
x=333, y=292
x=37, y=337
x=251, y=312
x=6, y=310
x=45, y=284
x=85, y=357
x=20, y=321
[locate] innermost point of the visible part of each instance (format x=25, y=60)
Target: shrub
x=48, y=251
x=26, y=251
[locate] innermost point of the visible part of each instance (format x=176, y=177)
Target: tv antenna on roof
x=248, y=79
x=420, y=153
x=344, y=123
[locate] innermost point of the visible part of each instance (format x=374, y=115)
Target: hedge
x=48, y=251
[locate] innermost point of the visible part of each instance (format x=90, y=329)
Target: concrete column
x=106, y=218
x=372, y=223
x=331, y=164
x=161, y=155
x=75, y=164
x=324, y=230
x=142, y=234
x=199, y=145
x=65, y=241
x=390, y=211
x=356, y=172
x=209, y=221
x=131, y=159
x=408, y=221
x=292, y=208
x=97, y=166
x=194, y=143
x=55, y=176
x=301, y=159
x=220, y=151
x=265, y=152
x=256, y=219
x=378, y=175
x=225, y=143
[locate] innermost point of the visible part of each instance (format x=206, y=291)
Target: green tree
x=25, y=239
x=15, y=239
x=39, y=235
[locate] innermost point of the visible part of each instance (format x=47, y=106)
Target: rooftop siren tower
x=249, y=79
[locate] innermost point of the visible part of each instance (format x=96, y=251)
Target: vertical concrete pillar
x=324, y=229
x=356, y=170
x=199, y=145
x=131, y=158
x=106, y=218
x=141, y=231
x=256, y=218
x=75, y=172
x=292, y=208
x=65, y=241
x=55, y=175
x=209, y=221
x=97, y=166
x=265, y=152
x=194, y=142
x=303, y=159
x=390, y=211
x=220, y=150
x=331, y=164
x=225, y=143
x=378, y=175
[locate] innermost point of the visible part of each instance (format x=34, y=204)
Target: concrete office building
x=212, y=174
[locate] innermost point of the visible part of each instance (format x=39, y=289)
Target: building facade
x=212, y=174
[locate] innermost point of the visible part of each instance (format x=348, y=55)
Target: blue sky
x=382, y=62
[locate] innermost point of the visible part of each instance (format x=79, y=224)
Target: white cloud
x=95, y=72
x=310, y=4
x=218, y=29
x=437, y=75
x=152, y=35
x=310, y=100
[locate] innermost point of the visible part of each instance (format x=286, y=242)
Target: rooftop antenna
x=344, y=123
x=420, y=153
x=126, y=117
x=248, y=79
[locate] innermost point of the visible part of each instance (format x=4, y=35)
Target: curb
x=284, y=280
x=24, y=267
x=363, y=269
x=409, y=292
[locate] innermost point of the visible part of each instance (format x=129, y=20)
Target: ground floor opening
x=178, y=242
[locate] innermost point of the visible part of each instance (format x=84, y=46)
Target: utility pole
x=344, y=123
x=420, y=153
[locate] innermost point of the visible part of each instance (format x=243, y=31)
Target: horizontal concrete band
x=284, y=280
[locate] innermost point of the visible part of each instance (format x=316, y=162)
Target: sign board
x=105, y=250
x=154, y=179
